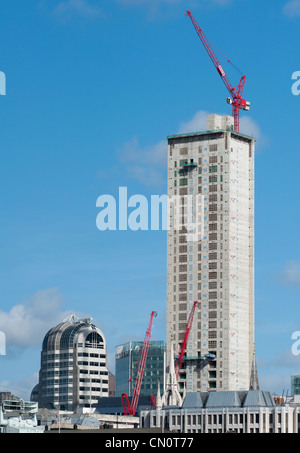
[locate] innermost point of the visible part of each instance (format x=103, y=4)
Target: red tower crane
x=179, y=360
x=236, y=94
x=130, y=409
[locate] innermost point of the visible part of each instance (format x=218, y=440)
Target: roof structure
x=228, y=399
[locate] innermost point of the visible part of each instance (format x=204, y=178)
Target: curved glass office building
x=74, y=369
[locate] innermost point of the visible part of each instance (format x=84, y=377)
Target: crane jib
x=236, y=93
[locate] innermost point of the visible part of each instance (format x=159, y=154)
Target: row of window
x=93, y=389
x=96, y=381
x=185, y=181
x=95, y=372
x=84, y=363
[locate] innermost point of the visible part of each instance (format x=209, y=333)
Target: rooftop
x=218, y=131
x=228, y=399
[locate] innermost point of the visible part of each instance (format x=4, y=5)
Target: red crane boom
x=179, y=360
x=236, y=94
x=130, y=409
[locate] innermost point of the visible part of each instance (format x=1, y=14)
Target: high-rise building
x=73, y=370
x=210, y=259
x=127, y=356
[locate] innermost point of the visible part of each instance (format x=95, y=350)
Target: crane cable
x=229, y=61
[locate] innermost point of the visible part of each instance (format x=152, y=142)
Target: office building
x=127, y=356
x=73, y=371
x=210, y=259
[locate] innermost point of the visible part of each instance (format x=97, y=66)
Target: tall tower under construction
x=211, y=256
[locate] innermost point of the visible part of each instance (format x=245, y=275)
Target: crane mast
x=130, y=409
x=236, y=93
x=179, y=360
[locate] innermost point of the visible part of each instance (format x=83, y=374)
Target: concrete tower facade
x=211, y=255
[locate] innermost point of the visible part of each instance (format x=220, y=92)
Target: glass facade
x=127, y=356
x=295, y=383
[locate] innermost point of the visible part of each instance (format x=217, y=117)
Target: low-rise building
x=252, y=411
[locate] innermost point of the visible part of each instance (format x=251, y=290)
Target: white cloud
x=153, y=155
x=275, y=373
x=276, y=383
x=145, y=164
x=195, y=124
x=292, y=8
x=26, y=324
x=290, y=274
x=169, y=2
x=147, y=176
x=148, y=164
x=21, y=388
x=155, y=7
x=148, y=2
x=249, y=126
x=69, y=8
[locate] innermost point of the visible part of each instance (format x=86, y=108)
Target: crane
x=188, y=327
x=130, y=409
x=236, y=93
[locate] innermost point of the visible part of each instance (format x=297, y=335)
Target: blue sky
x=93, y=89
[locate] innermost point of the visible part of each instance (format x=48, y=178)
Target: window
x=212, y=314
x=212, y=334
x=183, y=182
